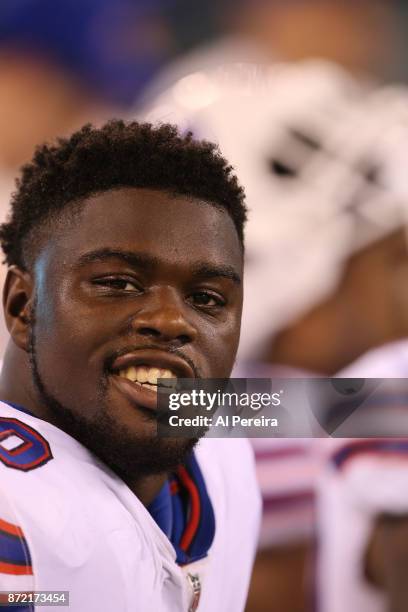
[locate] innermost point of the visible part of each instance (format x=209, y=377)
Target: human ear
x=18, y=302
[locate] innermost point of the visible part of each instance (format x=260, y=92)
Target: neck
x=19, y=390
x=147, y=488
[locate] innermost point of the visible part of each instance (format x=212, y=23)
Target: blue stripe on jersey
x=206, y=528
x=179, y=521
x=171, y=513
x=33, y=450
x=160, y=509
x=13, y=549
x=18, y=407
x=360, y=447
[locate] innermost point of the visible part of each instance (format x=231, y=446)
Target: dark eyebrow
x=205, y=270
x=137, y=260
x=148, y=262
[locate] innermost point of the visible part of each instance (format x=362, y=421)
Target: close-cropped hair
x=119, y=154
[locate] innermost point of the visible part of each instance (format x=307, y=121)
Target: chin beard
x=127, y=455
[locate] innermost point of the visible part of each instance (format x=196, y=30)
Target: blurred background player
x=363, y=509
x=322, y=159
x=259, y=114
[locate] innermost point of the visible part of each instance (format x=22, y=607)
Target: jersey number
x=21, y=446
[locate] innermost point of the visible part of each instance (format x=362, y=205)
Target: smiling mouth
x=140, y=384
x=141, y=376
x=148, y=377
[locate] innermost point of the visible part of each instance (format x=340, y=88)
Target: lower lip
x=136, y=394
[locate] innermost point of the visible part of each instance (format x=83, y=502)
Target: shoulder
x=31, y=445
x=56, y=486
x=372, y=472
x=68, y=511
x=16, y=567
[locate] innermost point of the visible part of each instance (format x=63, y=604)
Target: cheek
x=65, y=332
x=66, y=351
x=221, y=347
x=58, y=322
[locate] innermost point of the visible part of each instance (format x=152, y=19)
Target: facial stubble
x=130, y=456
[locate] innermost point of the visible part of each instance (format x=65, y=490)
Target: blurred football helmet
x=321, y=159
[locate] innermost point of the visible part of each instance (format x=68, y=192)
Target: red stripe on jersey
x=21, y=448
x=11, y=529
x=280, y=453
x=278, y=502
x=174, y=487
x=377, y=447
x=16, y=570
x=195, y=509
x=43, y=458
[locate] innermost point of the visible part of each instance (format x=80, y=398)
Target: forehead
x=173, y=228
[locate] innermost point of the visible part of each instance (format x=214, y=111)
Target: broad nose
x=163, y=318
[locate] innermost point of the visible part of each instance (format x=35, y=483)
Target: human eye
x=118, y=284
x=206, y=300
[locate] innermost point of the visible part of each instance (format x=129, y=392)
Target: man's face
x=140, y=285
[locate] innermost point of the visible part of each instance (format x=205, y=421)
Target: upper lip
x=154, y=359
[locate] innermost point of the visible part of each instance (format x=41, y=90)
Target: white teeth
x=166, y=374
x=131, y=374
x=142, y=374
x=153, y=375
x=147, y=376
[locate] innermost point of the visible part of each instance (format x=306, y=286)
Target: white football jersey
x=362, y=479
x=68, y=523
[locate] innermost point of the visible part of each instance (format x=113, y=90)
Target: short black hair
x=119, y=154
